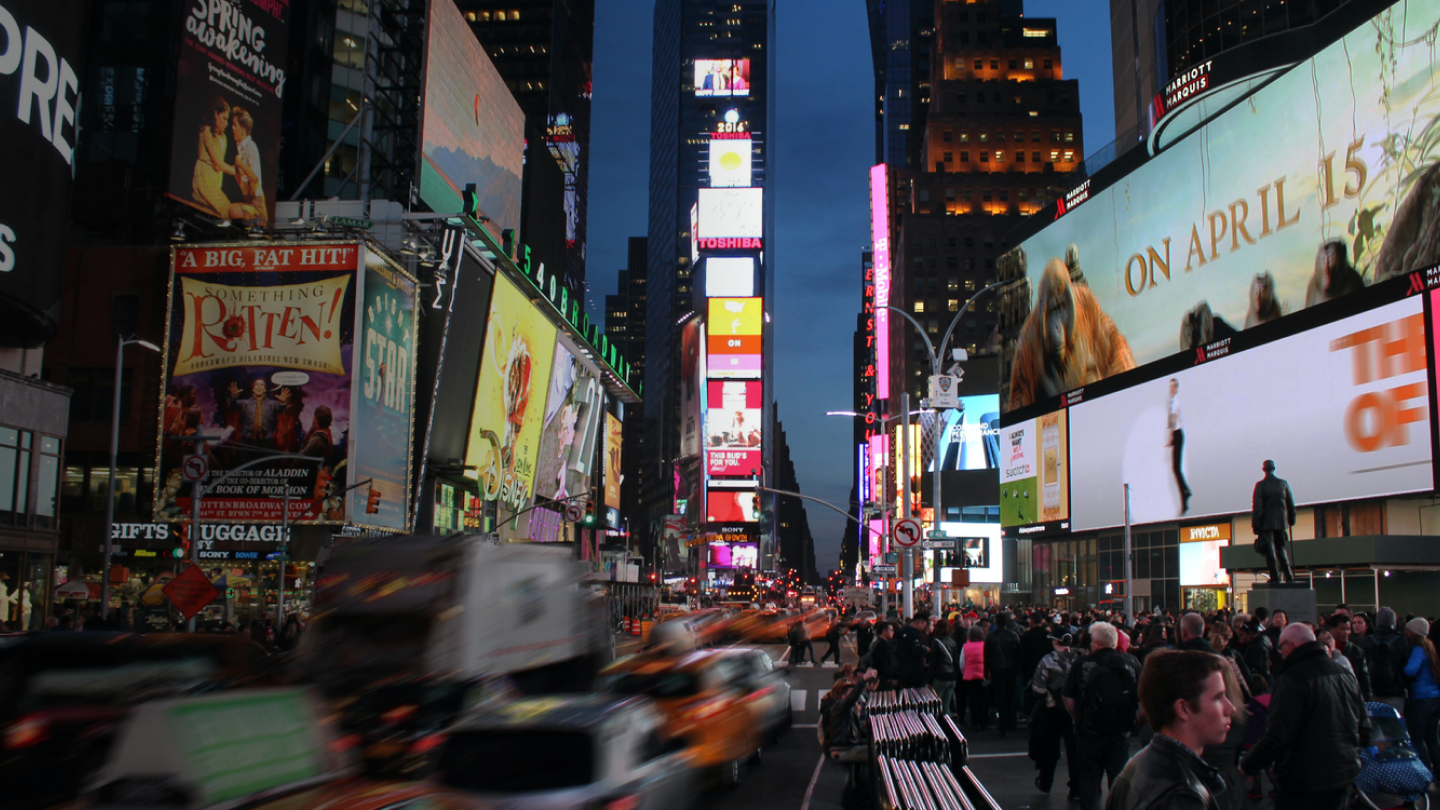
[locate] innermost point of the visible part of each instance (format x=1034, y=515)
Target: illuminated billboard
x=510, y=393
x=571, y=432
x=1034, y=474
x=733, y=427
x=732, y=505
x=722, y=77
x=692, y=392
x=261, y=350
x=730, y=213
x=733, y=341
x=729, y=277
x=730, y=162
x=980, y=543
x=733, y=555
x=614, y=439
x=880, y=258
x=1200, y=564
x=1342, y=409
x=971, y=435
x=473, y=131
x=1311, y=189
x=230, y=77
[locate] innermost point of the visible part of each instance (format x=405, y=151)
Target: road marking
x=997, y=756
x=810, y=791
x=797, y=699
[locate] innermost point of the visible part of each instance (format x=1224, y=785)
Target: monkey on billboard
x=1067, y=341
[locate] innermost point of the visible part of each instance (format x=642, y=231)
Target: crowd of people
x=1228, y=706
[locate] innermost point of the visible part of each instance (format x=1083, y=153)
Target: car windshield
x=518, y=761
x=655, y=685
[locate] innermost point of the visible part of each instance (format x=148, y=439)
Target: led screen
x=614, y=437
x=1313, y=188
x=971, y=437
x=732, y=427
x=732, y=506
x=733, y=555
x=722, y=77
x=880, y=258
x=727, y=213
x=1342, y=409
x=734, y=337
x=729, y=277
x=730, y=161
x=573, y=411
x=975, y=552
x=1034, y=471
x=1200, y=564
x=981, y=543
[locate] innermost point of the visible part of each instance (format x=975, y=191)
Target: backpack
x=1387, y=664
x=1111, y=699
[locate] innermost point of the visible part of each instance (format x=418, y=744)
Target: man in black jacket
x=910, y=650
x=1035, y=644
x=1102, y=728
x=1386, y=653
x=1185, y=702
x=1315, y=727
x=1256, y=649
x=882, y=656
x=1002, y=669
x=1339, y=625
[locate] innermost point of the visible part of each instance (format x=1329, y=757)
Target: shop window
x=72, y=491
x=47, y=484
x=98, y=490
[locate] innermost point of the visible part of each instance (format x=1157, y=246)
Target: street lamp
x=114, y=451
x=935, y=360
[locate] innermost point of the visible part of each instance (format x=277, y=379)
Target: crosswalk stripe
x=797, y=699
x=830, y=664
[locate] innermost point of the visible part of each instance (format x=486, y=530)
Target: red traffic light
x=372, y=503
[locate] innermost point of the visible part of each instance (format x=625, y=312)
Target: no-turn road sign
x=907, y=533
x=196, y=467
x=574, y=512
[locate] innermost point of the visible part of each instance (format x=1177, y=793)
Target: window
x=961, y=98
x=1069, y=137
x=950, y=242
x=999, y=157
x=949, y=157
x=1035, y=136
x=14, y=475
x=999, y=137
x=984, y=137
x=1029, y=64
x=984, y=157
x=1034, y=157
x=924, y=195
x=1054, y=155
x=985, y=196
x=950, y=194
x=969, y=285
x=919, y=306
x=952, y=285
x=947, y=136
x=953, y=304
x=1019, y=157
x=94, y=391
x=964, y=157
x=979, y=64
x=48, y=485
x=1047, y=64
x=1014, y=64
x=964, y=137
x=994, y=64
x=1069, y=155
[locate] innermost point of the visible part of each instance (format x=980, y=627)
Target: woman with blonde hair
x=210, y=165
x=1422, y=694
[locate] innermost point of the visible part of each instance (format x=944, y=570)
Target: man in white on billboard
x=1176, y=443
x=247, y=169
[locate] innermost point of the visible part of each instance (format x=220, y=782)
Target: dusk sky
x=823, y=145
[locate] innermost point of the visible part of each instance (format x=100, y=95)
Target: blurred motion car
x=766, y=690
x=709, y=698
x=568, y=751
x=64, y=695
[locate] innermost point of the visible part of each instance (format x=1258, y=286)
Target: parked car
x=569, y=751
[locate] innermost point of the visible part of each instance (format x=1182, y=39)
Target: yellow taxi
x=706, y=699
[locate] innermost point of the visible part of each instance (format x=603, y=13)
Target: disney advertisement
x=1318, y=185
x=259, y=356
x=230, y=77
x=509, y=412
x=385, y=395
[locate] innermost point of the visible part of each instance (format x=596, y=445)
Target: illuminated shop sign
x=880, y=242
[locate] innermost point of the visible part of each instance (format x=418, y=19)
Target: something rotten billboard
x=1317, y=186
x=230, y=80
x=259, y=348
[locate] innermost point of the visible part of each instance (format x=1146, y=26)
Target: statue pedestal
x=1296, y=599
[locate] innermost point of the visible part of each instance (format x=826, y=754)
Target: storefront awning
x=1392, y=550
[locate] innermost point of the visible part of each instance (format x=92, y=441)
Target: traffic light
x=182, y=537
x=589, y=521
x=372, y=503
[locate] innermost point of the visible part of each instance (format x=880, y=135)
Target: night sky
x=822, y=147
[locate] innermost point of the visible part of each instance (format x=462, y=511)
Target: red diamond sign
x=190, y=591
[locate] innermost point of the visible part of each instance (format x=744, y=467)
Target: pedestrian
x=1256, y=646
x=1314, y=728
x=1340, y=627
x=1035, y=644
x=1050, y=724
x=1002, y=669
x=1102, y=696
x=882, y=656
x=973, y=673
x=910, y=650
x=798, y=640
x=944, y=656
x=1386, y=654
x=864, y=636
x=832, y=638
x=1422, y=704
x=1187, y=703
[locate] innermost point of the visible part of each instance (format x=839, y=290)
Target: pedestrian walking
x=1050, y=724
x=1224, y=756
x=945, y=659
x=832, y=638
x=882, y=657
x=973, y=672
x=1340, y=626
x=1002, y=669
x=1314, y=728
x=1386, y=654
x=910, y=649
x=1422, y=702
x=1102, y=696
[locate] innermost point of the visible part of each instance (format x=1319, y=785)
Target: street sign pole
x=907, y=559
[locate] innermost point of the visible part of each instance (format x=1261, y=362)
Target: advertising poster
x=1034, y=471
x=733, y=427
x=691, y=370
x=733, y=555
x=971, y=435
x=734, y=338
x=730, y=162
x=573, y=412
x=510, y=396
x=1320, y=184
x=260, y=349
x=981, y=543
x=732, y=506
x=37, y=142
x=1200, y=564
x=722, y=77
x=385, y=395
x=729, y=277
x=730, y=213
x=473, y=131
x=230, y=80
x=975, y=552
x=1343, y=410
x=614, y=439
x=677, y=551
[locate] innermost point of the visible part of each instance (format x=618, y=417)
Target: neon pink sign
x=880, y=239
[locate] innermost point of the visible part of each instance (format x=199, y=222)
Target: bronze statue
x=1272, y=515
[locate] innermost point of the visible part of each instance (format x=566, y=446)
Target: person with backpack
x=1386, y=654
x=910, y=648
x=1050, y=724
x=1102, y=696
x=944, y=657
x=1002, y=669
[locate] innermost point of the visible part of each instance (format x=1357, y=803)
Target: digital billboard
x=970, y=438
x=571, y=433
x=1314, y=187
x=384, y=417
x=980, y=543
x=37, y=145
x=229, y=82
x=727, y=213
x=729, y=277
x=730, y=162
x=260, y=351
x=733, y=339
x=1034, y=474
x=509, y=412
x=614, y=438
x=692, y=393
x=732, y=427
x=880, y=258
x=1342, y=409
x=722, y=77
x=1200, y=564
x=733, y=555
x=975, y=552
x=732, y=505
x=473, y=131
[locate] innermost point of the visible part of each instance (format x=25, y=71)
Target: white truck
x=858, y=598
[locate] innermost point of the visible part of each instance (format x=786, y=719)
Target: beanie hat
x=1385, y=617
x=1418, y=626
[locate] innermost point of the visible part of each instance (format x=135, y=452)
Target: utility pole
x=907, y=556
